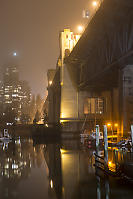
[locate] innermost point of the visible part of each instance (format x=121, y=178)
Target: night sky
x=31, y=28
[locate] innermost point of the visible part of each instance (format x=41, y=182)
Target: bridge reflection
x=72, y=174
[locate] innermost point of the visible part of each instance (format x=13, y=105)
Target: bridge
x=106, y=46
x=101, y=66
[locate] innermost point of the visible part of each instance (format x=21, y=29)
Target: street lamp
x=80, y=28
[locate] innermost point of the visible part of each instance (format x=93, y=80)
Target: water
x=55, y=171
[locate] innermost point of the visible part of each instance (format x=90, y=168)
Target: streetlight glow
x=14, y=54
x=109, y=163
x=50, y=83
x=80, y=28
x=94, y=3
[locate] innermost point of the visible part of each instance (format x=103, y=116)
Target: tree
x=39, y=102
x=32, y=107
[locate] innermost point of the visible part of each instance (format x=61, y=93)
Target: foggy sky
x=31, y=28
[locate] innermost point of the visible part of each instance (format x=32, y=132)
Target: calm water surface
x=54, y=171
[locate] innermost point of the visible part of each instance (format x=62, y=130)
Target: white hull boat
x=6, y=138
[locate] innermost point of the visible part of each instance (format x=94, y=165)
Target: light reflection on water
x=56, y=171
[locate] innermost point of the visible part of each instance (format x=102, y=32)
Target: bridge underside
x=105, y=47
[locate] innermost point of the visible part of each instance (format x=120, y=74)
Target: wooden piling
x=97, y=139
x=132, y=135
x=105, y=134
x=98, y=188
x=107, y=189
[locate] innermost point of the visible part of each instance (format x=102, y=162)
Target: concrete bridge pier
x=126, y=98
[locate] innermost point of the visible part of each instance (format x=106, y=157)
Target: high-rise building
x=14, y=93
x=25, y=97
x=1, y=93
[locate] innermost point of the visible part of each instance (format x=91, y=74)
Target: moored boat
x=6, y=137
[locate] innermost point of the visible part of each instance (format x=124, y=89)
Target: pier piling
x=105, y=134
x=97, y=139
x=132, y=135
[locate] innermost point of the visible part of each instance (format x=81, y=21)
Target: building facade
x=14, y=94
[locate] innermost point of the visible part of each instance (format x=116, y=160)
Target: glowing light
x=46, y=125
x=62, y=115
x=94, y=3
x=112, y=166
x=50, y=83
x=116, y=125
x=109, y=163
x=51, y=184
x=80, y=28
x=63, y=151
x=109, y=124
x=14, y=54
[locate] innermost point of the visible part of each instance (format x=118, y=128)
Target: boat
x=6, y=137
x=123, y=144
x=121, y=171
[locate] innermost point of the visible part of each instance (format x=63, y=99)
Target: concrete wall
x=69, y=96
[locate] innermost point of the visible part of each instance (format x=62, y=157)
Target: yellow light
x=94, y=3
x=62, y=121
x=109, y=124
x=112, y=166
x=116, y=125
x=80, y=28
x=62, y=115
x=50, y=83
x=109, y=163
x=63, y=151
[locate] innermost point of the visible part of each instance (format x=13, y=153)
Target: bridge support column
x=126, y=98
